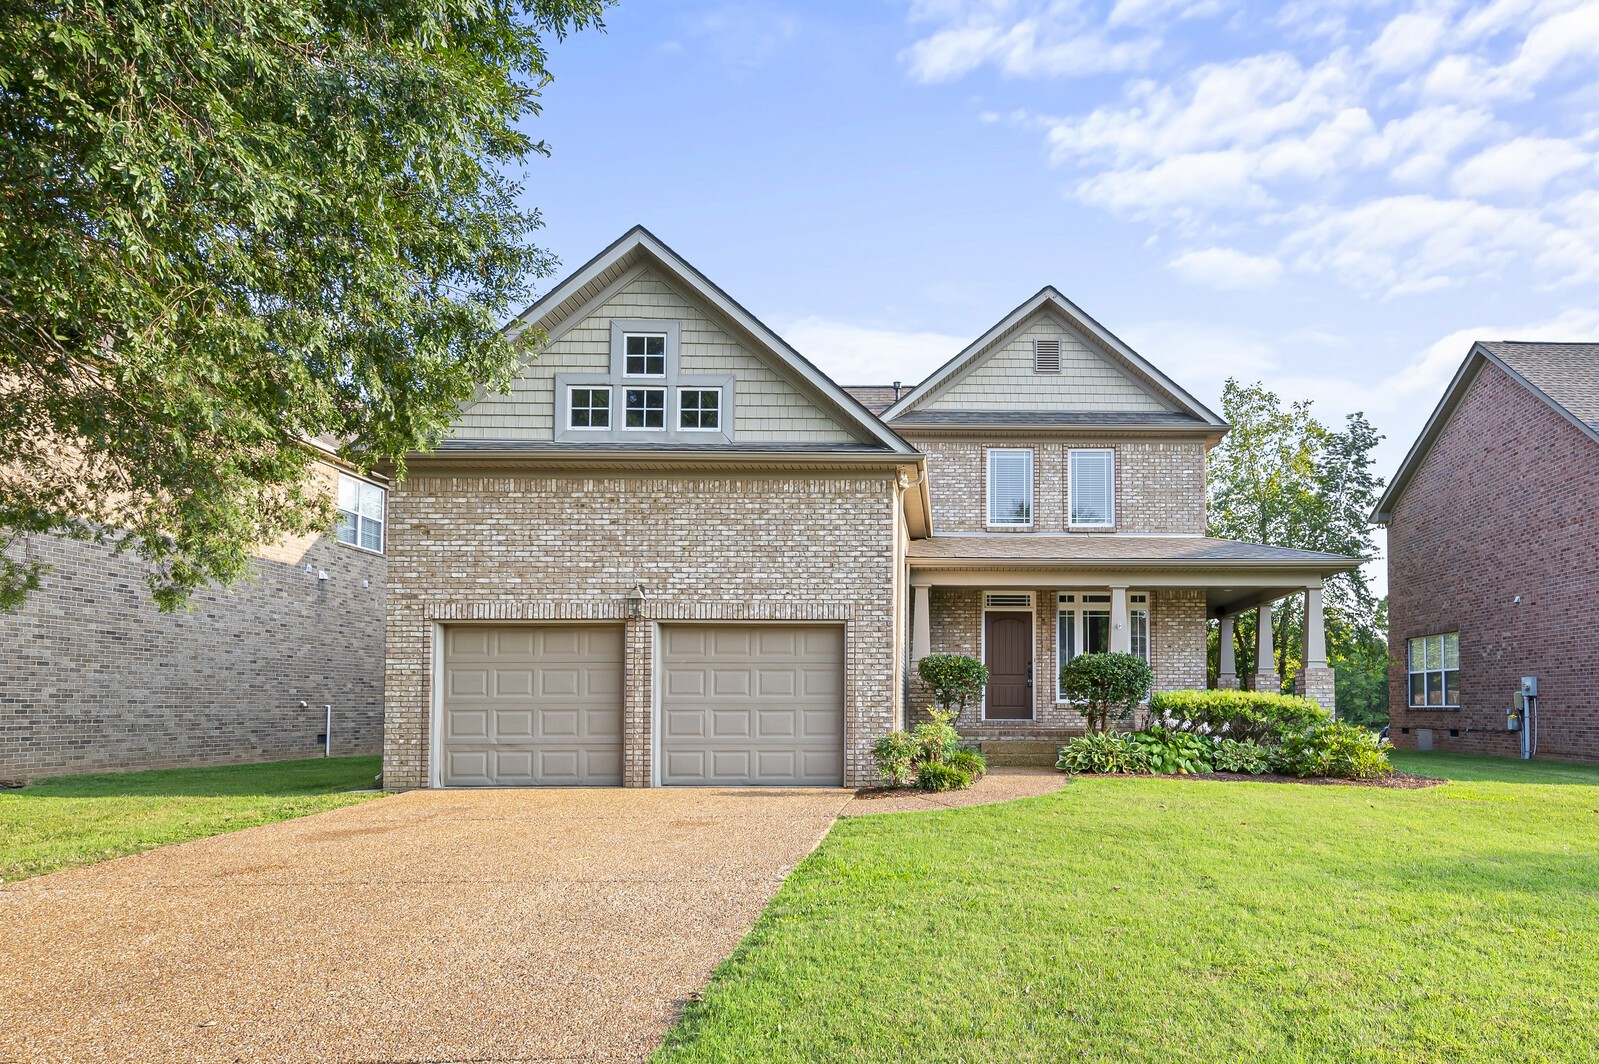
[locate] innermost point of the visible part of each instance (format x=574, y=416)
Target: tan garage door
x=752, y=704
x=532, y=705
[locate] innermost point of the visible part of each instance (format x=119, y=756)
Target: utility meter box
x=1529, y=686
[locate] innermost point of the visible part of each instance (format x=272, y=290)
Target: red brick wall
x=1504, y=505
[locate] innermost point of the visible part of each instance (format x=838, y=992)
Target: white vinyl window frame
x=362, y=507
x=664, y=354
x=1075, y=496
x=1432, y=664
x=697, y=412
x=1008, y=504
x=645, y=409
x=1073, y=611
x=575, y=406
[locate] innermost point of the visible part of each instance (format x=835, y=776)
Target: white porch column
x=1315, y=630
x=1121, y=630
x=921, y=623
x=1316, y=680
x=1266, y=678
x=1226, y=659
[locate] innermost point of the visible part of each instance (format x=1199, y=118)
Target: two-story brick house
x=675, y=552
x=1493, y=564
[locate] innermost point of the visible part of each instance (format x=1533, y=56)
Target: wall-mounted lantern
x=635, y=601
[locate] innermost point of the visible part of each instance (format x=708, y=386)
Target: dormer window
x=1046, y=356
x=646, y=355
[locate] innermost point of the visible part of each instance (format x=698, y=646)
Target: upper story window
x=699, y=409
x=646, y=408
x=589, y=408
x=360, y=521
x=1010, y=488
x=645, y=355
x=1434, y=664
x=1091, y=489
x=644, y=392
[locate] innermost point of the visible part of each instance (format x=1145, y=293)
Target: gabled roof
x=639, y=245
x=1110, y=344
x=1563, y=376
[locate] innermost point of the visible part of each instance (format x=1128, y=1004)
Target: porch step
x=1018, y=752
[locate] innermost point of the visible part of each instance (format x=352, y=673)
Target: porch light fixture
x=635, y=601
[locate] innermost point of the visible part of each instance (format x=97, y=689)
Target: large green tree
x=1282, y=477
x=231, y=226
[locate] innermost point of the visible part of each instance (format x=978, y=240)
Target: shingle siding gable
x=768, y=408
x=1004, y=378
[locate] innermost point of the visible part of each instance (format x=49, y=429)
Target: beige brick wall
x=811, y=547
x=1176, y=649
x=95, y=678
x=1160, y=484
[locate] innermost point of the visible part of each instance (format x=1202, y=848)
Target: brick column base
x=638, y=703
x=1227, y=681
x=1319, y=684
x=1266, y=681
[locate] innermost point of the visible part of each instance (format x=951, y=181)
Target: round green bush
x=1337, y=750
x=1263, y=716
x=1105, y=684
x=955, y=678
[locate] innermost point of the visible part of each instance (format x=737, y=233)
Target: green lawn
x=77, y=820
x=1155, y=920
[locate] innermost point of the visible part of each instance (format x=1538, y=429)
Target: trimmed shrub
x=1263, y=716
x=1107, y=752
x=955, y=679
x=1336, y=749
x=1174, y=753
x=929, y=756
x=1240, y=755
x=1102, y=685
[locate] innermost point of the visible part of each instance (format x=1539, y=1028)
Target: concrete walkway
x=430, y=926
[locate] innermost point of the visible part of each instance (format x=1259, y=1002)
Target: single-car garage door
x=752, y=704
x=532, y=705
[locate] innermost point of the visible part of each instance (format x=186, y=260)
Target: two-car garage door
x=739, y=705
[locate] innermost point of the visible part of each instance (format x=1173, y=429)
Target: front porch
x=1024, y=613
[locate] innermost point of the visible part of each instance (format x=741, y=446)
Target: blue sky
x=1332, y=198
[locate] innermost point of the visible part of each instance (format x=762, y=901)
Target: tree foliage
x=1282, y=477
x=231, y=226
x=1105, y=686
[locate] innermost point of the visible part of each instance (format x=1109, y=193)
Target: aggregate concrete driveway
x=429, y=926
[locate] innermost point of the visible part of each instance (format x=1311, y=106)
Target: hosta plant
x=1102, y=752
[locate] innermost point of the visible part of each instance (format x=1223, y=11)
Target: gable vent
x=1012, y=600
x=1046, y=356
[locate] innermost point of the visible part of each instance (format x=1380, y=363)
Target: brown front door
x=1008, y=643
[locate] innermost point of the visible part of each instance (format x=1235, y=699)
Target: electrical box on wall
x=1529, y=686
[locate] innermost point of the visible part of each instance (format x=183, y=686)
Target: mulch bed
x=1402, y=781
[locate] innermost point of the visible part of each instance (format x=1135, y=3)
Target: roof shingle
x=1080, y=549
x=1567, y=373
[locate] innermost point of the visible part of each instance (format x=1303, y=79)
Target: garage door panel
x=752, y=704
x=518, y=716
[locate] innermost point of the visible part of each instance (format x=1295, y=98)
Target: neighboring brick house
x=677, y=553
x=95, y=678
x=1493, y=556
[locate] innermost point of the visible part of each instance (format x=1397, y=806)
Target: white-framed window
x=646, y=408
x=589, y=408
x=1091, y=488
x=699, y=409
x=1010, y=488
x=1434, y=664
x=360, y=513
x=644, y=354
x=1082, y=626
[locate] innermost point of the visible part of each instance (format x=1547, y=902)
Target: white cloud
x=1408, y=41
x=1039, y=40
x=1144, y=12
x=1226, y=268
x=855, y=354
x=1426, y=375
x=1521, y=167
